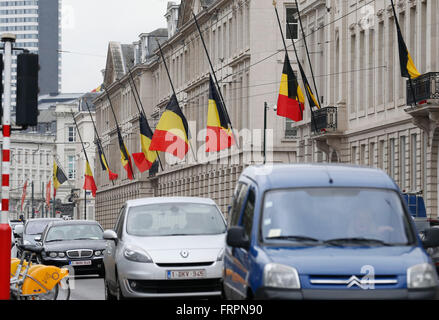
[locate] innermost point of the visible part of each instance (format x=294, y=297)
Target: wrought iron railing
x=324, y=120
x=423, y=88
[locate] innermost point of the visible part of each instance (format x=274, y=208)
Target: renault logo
x=184, y=253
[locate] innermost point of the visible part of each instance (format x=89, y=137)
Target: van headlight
x=421, y=276
x=136, y=254
x=281, y=276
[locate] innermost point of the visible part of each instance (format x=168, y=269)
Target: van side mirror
x=110, y=235
x=236, y=237
x=431, y=238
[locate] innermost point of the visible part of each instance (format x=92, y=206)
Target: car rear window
x=36, y=227
x=175, y=219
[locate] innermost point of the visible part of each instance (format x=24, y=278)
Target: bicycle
x=35, y=281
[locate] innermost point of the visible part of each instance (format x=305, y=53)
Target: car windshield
x=74, y=232
x=335, y=215
x=175, y=219
x=36, y=227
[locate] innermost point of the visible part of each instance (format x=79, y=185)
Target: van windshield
x=167, y=219
x=335, y=215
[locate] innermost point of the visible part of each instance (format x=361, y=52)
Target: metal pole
x=44, y=202
x=32, y=200
x=265, y=131
x=85, y=204
x=5, y=229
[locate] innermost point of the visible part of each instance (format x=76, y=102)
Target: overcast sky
x=88, y=26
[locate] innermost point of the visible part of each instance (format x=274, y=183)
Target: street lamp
x=266, y=108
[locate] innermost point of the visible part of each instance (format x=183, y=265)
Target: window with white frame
x=292, y=26
x=71, y=134
x=391, y=157
x=413, y=162
x=402, y=162
x=71, y=167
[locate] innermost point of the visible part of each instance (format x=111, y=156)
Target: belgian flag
x=291, y=101
x=172, y=132
x=145, y=159
x=408, y=68
x=104, y=164
x=219, y=133
x=125, y=157
x=89, y=182
x=309, y=94
x=58, y=177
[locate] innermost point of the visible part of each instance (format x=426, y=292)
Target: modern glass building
x=36, y=23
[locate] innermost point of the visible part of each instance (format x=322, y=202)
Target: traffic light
x=27, y=89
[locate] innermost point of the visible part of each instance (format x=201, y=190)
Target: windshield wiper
x=54, y=240
x=88, y=238
x=357, y=240
x=294, y=238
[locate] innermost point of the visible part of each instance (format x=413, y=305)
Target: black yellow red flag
x=125, y=157
x=145, y=159
x=291, y=101
x=408, y=68
x=172, y=132
x=219, y=133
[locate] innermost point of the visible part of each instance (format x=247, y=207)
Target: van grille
x=353, y=281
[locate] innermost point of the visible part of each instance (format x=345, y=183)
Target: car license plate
x=80, y=263
x=186, y=274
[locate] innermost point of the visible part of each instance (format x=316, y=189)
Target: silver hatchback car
x=165, y=247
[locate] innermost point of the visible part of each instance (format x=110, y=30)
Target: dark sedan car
x=76, y=243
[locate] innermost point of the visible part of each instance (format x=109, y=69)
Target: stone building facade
x=354, y=54
x=238, y=44
x=369, y=119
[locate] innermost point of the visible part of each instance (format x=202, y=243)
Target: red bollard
x=5, y=261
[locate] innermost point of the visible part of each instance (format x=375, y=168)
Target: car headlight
x=136, y=254
x=220, y=255
x=61, y=254
x=53, y=254
x=281, y=276
x=98, y=253
x=421, y=276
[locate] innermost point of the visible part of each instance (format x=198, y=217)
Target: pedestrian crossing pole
x=5, y=229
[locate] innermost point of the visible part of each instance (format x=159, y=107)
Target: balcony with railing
x=425, y=112
x=324, y=120
x=424, y=88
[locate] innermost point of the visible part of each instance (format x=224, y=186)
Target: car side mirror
x=431, y=238
x=236, y=237
x=18, y=231
x=38, y=238
x=110, y=235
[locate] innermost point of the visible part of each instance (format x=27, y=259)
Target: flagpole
x=307, y=52
x=216, y=80
x=99, y=143
x=175, y=94
x=86, y=158
x=297, y=58
x=141, y=105
x=399, y=30
x=117, y=124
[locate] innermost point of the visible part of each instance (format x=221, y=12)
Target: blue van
x=321, y=231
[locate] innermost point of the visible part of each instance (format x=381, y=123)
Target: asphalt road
x=87, y=288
